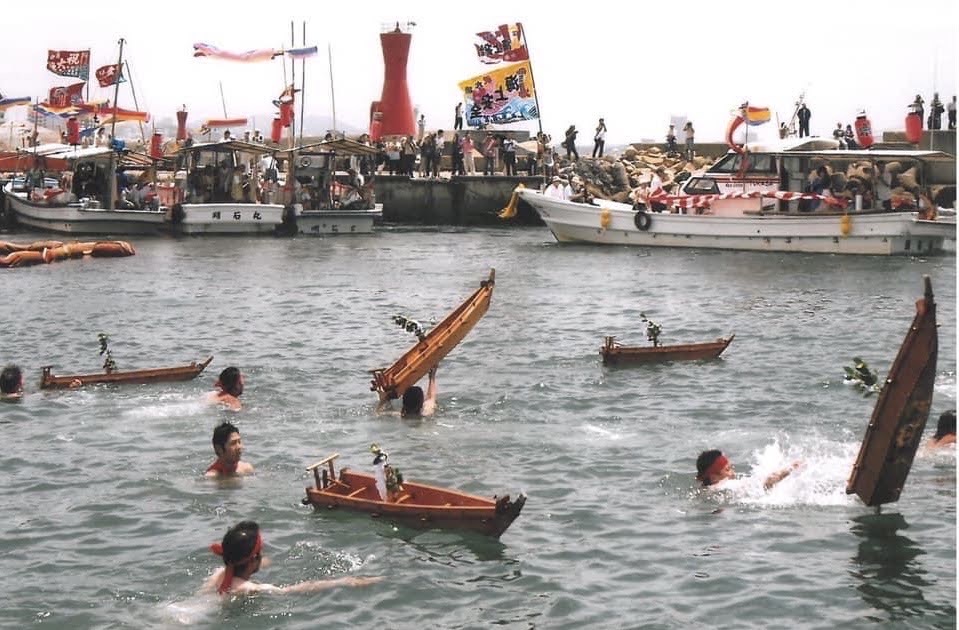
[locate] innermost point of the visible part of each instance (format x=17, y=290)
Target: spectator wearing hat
x=556, y=189
x=570, y=142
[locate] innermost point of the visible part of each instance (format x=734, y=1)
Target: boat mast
x=133, y=90
x=329, y=53
x=293, y=85
x=302, y=85
x=532, y=80
x=111, y=193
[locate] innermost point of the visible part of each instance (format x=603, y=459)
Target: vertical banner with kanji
x=501, y=96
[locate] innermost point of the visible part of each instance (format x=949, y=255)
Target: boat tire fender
x=176, y=214
x=643, y=221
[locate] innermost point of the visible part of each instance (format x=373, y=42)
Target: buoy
x=845, y=225
x=605, y=218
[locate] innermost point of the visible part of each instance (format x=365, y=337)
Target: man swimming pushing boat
x=713, y=468
x=11, y=383
x=229, y=388
x=242, y=553
x=415, y=404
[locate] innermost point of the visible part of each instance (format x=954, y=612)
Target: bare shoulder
x=244, y=468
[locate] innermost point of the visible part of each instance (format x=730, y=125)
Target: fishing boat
x=416, y=505
x=751, y=201
x=435, y=345
x=220, y=190
x=328, y=202
x=80, y=202
x=155, y=375
x=615, y=354
x=899, y=417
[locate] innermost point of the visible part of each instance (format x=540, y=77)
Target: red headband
x=227, y=582
x=714, y=468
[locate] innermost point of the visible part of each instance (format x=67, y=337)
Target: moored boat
x=899, y=417
x=754, y=204
x=155, y=375
x=436, y=344
x=615, y=355
x=416, y=504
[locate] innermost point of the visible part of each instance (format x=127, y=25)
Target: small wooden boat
x=156, y=375
x=895, y=429
x=615, y=354
x=429, y=351
x=417, y=504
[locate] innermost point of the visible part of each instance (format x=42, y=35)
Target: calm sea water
x=109, y=518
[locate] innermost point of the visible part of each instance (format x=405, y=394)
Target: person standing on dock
x=228, y=447
x=599, y=139
x=458, y=117
x=803, y=114
x=242, y=553
x=420, y=128
x=951, y=113
x=467, y=146
x=570, y=142
x=489, y=153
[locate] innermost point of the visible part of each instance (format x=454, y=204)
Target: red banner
x=66, y=96
x=505, y=44
x=69, y=63
x=109, y=75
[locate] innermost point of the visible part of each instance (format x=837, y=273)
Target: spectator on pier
x=458, y=117
x=570, y=142
x=427, y=148
x=599, y=139
x=690, y=140
x=671, y=149
x=803, y=114
x=549, y=162
x=439, y=144
x=849, y=137
x=713, y=470
x=467, y=146
x=457, y=155
x=11, y=383
x=935, y=112
x=838, y=134
x=509, y=156
x=408, y=156
x=951, y=113
x=489, y=153
x=945, y=430
x=229, y=388
x=420, y=128
x=917, y=107
x=242, y=553
x=228, y=447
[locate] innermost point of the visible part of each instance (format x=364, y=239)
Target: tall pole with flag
x=112, y=192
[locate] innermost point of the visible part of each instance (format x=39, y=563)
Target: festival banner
x=109, y=75
x=66, y=96
x=107, y=114
x=69, y=63
x=502, y=96
x=504, y=45
x=250, y=56
x=7, y=103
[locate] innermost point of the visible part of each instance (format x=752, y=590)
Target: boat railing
x=317, y=468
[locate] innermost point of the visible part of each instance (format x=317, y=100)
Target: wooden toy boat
x=895, y=429
x=156, y=375
x=417, y=505
x=615, y=354
x=418, y=360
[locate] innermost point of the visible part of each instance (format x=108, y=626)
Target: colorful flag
x=505, y=44
x=302, y=53
x=69, y=63
x=109, y=75
x=66, y=96
x=250, y=56
x=502, y=96
x=754, y=115
x=7, y=103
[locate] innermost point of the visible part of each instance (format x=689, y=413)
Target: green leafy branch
x=652, y=330
x=410, y=325
x=109, y=365
x=862, y=376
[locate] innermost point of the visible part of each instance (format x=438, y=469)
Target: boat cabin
x=323, y=177
x=229, y=171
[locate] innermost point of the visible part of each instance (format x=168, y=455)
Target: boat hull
x=419, y=505
x=899, y=417
x=75, y=219
x=614, y=355
x=228, y=218
x=881, y=233
x=332, y=222
x=440, y=341
x=157, y=375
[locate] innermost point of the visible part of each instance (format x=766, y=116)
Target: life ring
x=605, y=218
x=845, y=225
x=306, y=162
x=642, y=221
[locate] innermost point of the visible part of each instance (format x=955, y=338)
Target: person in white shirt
x=599, y=140
x=556, y=189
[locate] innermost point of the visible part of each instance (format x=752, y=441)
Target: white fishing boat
x=221, y=190
x=81, y=201
x=755, y=205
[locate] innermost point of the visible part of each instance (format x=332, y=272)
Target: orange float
x=21, y=259
x=112, y=249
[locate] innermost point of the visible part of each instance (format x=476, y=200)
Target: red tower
x=395, y=106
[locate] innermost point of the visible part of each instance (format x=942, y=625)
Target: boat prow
x=616, y=355
x=415, y=504
x=156, y=375
x=429, y=351
x=899, y=417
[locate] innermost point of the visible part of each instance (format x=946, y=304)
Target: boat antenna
x=223, y=100
x=111, y=193
x=293, y=86
x=329, y=53
x=302, y=86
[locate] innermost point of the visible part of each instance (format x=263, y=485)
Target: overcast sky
x=635, y=66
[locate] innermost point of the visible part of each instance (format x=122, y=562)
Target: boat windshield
x=756, y=163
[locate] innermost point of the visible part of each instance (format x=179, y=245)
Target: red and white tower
x=392, y=115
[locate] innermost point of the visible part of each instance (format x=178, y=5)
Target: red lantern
x=913, y=128
x=181, y=125
x=864, y=131
x=286, y=113
x=73, y=131
x=156, y=145
x=276, y=131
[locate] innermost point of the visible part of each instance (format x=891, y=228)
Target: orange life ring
x=22, y=259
